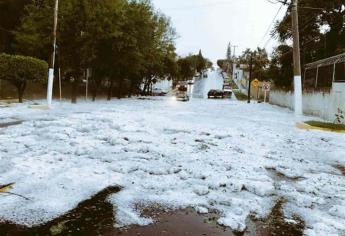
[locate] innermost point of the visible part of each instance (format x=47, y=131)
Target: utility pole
x=297, y=60
x=52, y=61
x=234, y=63
x=235, y=46
x=250, y=75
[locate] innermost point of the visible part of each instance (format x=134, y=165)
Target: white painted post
x=265, y=96
x=50, y=87
x=297, y=60
x=298, y=95
x=52, y=63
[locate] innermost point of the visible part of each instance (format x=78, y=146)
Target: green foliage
x=316, y=43
x=281, y=67
x=11, y=14
x=260, y=63
x=188, y=66
x=19, y=69
x=224, y=64
x=239, y=95
x=322, y=35
x=200, y=62
x=122, y=41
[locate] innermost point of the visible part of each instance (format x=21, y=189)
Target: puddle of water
x=181, y=222
x=95, y=217
x=89, y=218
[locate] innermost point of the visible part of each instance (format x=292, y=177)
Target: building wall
x=337, y=99
x=317, y=104
x=281, y=98
x=321, y=104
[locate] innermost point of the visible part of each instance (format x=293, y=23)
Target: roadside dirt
x=342, y=169
x=95, y=217
x=4, y=125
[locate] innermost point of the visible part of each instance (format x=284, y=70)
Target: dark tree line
x=322, y=35
x=122, y=42
x=190, y=65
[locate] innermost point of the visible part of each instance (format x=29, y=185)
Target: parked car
x=214, y=93
x=227, y=89
x=158, y=92
x=182, y=93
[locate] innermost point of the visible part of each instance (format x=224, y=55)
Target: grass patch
x=240, y=96
x=326, y=125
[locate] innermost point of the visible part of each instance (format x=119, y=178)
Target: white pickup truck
x=182, y=93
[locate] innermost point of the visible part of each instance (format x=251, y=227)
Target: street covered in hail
x=224, y=155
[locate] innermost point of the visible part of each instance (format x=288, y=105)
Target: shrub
x=239, y=95
x=17, y=70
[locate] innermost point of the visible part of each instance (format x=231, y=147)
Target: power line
x=307, y=23
x=196, y=6
x=270, y=26
x=284, y=2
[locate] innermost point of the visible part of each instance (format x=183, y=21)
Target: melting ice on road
x=205, y=154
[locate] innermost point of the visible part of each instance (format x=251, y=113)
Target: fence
x=321, y=74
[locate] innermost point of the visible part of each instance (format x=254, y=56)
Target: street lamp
x=52, y=61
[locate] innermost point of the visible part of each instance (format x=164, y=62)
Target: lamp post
x=297, y=61
x=250, y=76
x=52, y=61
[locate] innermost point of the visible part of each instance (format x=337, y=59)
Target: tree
x=123, y=42
x=84, y=28
x=186, y=68
x=201, y=63
x=10, y=17
x=260, y=62
x=280, y=70
x=18, y=70
x=322, y=35
x=229, y=53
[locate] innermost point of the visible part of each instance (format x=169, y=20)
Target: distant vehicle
x=190, y=82
x=205, y=75
x=182, y=93
x=227, y=89
x=214, y=93
x=158, y=92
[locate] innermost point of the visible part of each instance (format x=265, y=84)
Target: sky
x=210, y=25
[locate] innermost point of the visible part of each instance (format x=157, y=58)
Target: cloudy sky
x=211, y=24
